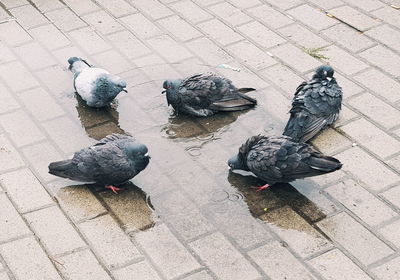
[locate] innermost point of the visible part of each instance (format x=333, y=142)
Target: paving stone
x=82, y=6
x=130, y=45
x=372, y=137
x=40, y=104
x=291, y=228
x=117, y=8
x=395, y=162
x=89, y=40
x=6, y=54
x=295, y=58
x=383, y=58
x=153, y=8
x=54, y=230
x=3, y=276
x=229, y=13
x=159, y=243
x=202, y=275
x=349, y=87
x=169, y=49
x=81, y=265
x=284, y=78
x=270, y=16
x=327, y=4
x=21, y=128
x=343, y=61
x=302, y=36
x=7, y=101
x=389, y=270
x=103, y=22
x=312, y=17
x=34, y=56
x=12, y=225
x=223, y=259
x=251, y=55
x=9, y=156
x=59, y=82
x=140, y=270
x=79, y=203
x=354, y=17
x=65, y=19
x=374, y=174
x=131, y=208
x=49, y=36
x=356, y=239
x=335, y=265
x=208, y=51
x=182, y=213
x=112, y=61
x=67, y=135
x=47, y=5
x=348, y=37
x=28, y=16
x=278, y=263
x=13, y=3
x=361, y=202
x=108, y=241
x=261, y=34
x=390, y=233
x=180, y=28
x=191, y=11
x=13, y=34
x=17, y=76
x=141, y=26
x=284, y=5
x=27, y=260
x=380, y=84
x=387, y=35
x=376, y=109
x=220, y=32
x=330, y=141
x=25, y=190
x=393, y=195
x=389, y=15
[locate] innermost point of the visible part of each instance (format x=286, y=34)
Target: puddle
x=187, y=179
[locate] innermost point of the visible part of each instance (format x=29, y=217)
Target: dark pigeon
x=95, y=85
x=280, y=159
x=316, y=105
x=114, y=160
x=203, y=95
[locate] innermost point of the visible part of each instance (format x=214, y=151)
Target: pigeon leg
x=113, y=188
x=258, y=189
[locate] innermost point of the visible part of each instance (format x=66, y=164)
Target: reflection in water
x=131, y=207
x=263, y=204
x=98, y=122
x=183, y=126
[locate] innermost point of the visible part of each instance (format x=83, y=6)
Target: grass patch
x=316, y=52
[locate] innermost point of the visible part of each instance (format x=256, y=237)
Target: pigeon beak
x=124, y=89
x=164, y=91
x=146, y=155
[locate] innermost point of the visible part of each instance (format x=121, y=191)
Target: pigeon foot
x=258, y=189
x=113, y=188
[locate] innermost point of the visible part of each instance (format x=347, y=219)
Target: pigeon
x=316, y=105
x=281, y=159
x=203, y=95
x=114, y=160
x=95, y=85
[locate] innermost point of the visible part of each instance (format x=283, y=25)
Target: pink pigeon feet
x=258, y=189
x=113, y=188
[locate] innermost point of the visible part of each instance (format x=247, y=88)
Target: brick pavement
x=188, y=218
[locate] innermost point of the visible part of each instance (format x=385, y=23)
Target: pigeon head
x=237, y=163
x=171, y=90
x=138, y=154
x=117, y=84
x=324, y=71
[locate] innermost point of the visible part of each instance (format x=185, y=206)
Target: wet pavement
x=187, y=216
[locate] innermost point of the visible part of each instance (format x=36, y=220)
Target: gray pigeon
x=316, y=105
x=114, y=160
x=280, y=159
x=95, y=85
x=202, y=95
